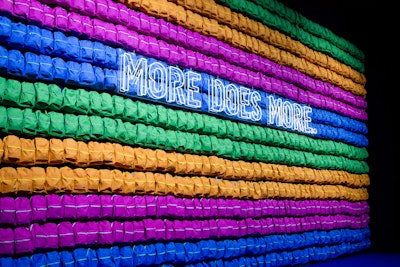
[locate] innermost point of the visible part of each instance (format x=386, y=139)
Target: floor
x=363, y=260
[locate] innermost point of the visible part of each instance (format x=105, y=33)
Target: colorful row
x=24, y=210
x=35, y=180
x=281, y=249
x=53, y=151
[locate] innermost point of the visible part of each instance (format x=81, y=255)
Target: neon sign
x=154, y=80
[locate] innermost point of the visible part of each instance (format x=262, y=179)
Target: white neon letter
x=157, y=81
x=191, y=88
x=216, y=95
x=232, y=100
x=175, y=85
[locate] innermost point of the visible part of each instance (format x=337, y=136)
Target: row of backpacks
x=35, y=180
x=25, y=210
x=279, y=249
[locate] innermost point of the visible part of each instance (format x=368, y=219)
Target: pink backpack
x=198, y=212
x=123, y=15
x=24, y=243
x=94, y=209
x=151, y=207
x=191, y=59
x=138, y=231
x=122, y=35
x=107, y=206
x=39, y=208
x=140, y=207
x=164, y=49
x=60, y=19
x=133, y=41
x=119, y=210
x=172, y=210
x=102, y=9
x=213, y=225
x=69, y=205
x=150, y=229
x=111, y=35
x=205, y=229
x=45, y=236
x=55, y=208
x=21, y=8
x=99, y=30
x=117, y=232
x=75, y=23
x=153, y=47
x=87, y=27
x=7, y=6
x=82, y=207
x=134, y=20
x=35, y=12
x=66, y=235
x=7, y=211
x=112, y=12
x=23, y=211
x=179, y=228
x=189, y=208
x=169, y=230
x=7, y=240
x=105, y=233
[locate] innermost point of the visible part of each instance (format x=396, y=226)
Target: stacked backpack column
x=165, y=171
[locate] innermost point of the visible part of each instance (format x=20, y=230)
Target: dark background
x=372, y=27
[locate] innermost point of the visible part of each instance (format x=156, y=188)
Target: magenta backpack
x=39, y=208
x=23, y=211
x=66, y=235
x=7, y=211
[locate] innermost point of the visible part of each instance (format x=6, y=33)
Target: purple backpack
x=60, y=18
x=66, y=235
x=23, y=240
x=7, y=211
x=23, y=211
x=35, y=11
x=7, y=241
x=7, y=6
x=69, y=205
x=105, y=233
x=21, y=8
x=75, y=23
x=139, y=231
x=119, y=207
x=117, y=232
x=99, y=30
x=55, y=208
x=39, y=208
x=82, y=207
